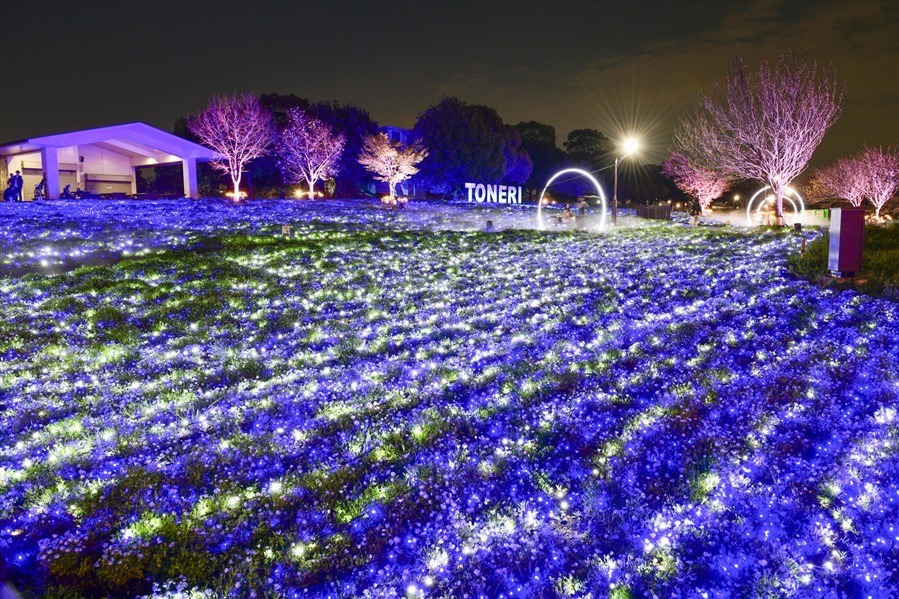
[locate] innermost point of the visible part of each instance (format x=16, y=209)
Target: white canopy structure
x=102, y=160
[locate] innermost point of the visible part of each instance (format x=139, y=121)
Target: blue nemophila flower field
x=397, y=403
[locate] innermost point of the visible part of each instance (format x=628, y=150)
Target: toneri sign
x=498, y=194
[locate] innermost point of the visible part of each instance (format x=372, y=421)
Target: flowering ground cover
x=388, y=406
x=49, y=237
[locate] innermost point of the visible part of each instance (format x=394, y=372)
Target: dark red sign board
x=847, y=241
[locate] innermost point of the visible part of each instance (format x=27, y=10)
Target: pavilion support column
x=50, y=167
x=134, y=180
x=79, y=169
x=190, y=178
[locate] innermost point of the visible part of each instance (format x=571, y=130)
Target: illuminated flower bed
x=373, y=409
x=52, y=236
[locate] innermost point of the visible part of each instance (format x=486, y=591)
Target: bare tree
x=881, y=168
x=389, y=160
x=238, y=128
x=871, y=174
x=764, y=127
x=308, y=150
x=842, y=180
x=703, y=184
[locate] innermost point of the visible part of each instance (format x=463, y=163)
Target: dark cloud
x=858, y=38
x=619, y=66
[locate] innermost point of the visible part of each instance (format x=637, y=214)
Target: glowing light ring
x=789, y=190
x=602, y=195
x=761, y=205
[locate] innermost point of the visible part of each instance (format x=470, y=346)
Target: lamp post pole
x=615, y=196
x=629, y=147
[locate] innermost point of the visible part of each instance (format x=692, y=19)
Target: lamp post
x=629, y=147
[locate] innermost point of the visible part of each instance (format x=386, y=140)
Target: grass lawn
x=377, y=407
x=880, y=268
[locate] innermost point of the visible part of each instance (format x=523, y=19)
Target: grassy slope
x=880, y=272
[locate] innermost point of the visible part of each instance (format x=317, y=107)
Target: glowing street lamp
x=629, y=147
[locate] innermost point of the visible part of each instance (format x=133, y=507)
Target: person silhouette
x=695, y=213
x=18, y=182
x=39, y=189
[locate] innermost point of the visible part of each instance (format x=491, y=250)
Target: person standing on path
x=18, y=182
x=695, y=211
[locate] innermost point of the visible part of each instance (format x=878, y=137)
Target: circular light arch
x=600, y=192
x=789, y=191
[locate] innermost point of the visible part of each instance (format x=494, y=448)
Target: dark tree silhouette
x=588, y=149
x=518, y=162
x=355, y=125
x=539, y=140
x=465, y=143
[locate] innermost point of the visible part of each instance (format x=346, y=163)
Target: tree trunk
x=779, y=206
x=236, y=181
x=392, y=187
x=311, y=188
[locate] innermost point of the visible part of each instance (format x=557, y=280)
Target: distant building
x=404, y=136
x=100, y=161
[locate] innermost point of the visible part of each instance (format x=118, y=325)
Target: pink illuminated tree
x=703, y=184
x=389, y=160
x=842, y=180
x=763, y=127
x=238, y=128
x=308, y=150
x=871, y=174
x=881, y=168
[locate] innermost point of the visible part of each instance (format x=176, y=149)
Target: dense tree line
x=463, y=142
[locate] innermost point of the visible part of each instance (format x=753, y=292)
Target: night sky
x=619, y=67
